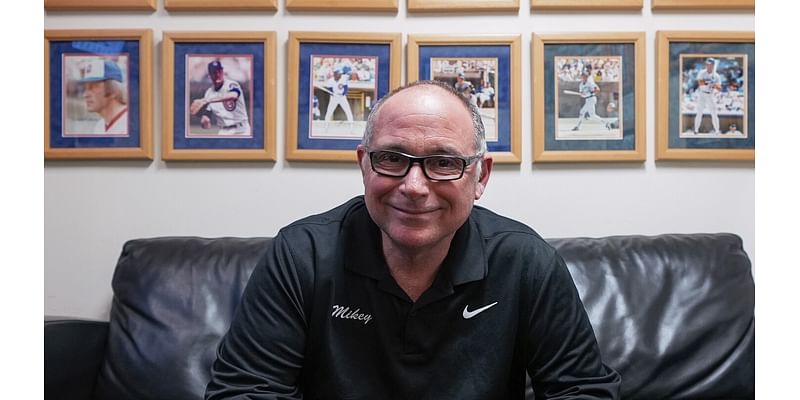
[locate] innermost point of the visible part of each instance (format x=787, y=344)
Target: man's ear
x=361, y=156
x=483, y=180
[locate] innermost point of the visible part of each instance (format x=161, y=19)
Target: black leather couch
x=672, y=313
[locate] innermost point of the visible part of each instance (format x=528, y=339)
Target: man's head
x=423, y=119
x=216, y=74
x=102, y=85
x=337, y=73
x=709, y=64
x=584, y=75
x=732, y=128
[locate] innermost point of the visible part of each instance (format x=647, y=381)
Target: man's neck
x=415, y=269
x=110, y=112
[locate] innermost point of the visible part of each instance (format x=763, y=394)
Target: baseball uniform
x=231, y=115
x=587, y=90
x=705, y=98
x=117, y=126
x=339, y=97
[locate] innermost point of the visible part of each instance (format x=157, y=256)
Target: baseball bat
x=572, y=92
x=323, y=89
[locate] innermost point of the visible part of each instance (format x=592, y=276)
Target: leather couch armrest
x=73, y=353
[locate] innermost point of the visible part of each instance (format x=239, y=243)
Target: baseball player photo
x=96, y=96
x=342, y=95
x=476, y=80
x=587, y=92
x=713, y=96
x=218, y=94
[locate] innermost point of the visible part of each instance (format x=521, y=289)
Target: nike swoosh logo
x=467, y=314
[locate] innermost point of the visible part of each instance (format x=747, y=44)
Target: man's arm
x=261, y=356
x=564, y=359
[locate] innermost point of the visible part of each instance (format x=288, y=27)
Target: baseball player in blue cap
x=104, y=93
x=709, y=81
x=337, y=88
x=225, y=101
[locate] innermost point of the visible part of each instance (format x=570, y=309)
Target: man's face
x=709, y=67
x=217, y=77
x=94, y=95
x=414, y=212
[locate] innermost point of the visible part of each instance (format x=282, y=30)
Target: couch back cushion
x=173, y=302
x=672, y=313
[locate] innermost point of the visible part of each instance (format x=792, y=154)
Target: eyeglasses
x=435, y=168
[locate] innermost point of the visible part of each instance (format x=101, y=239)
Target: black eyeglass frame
x=421, y=161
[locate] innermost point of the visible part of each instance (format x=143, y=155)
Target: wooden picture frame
x=216, y=5
x=342, y=5
x=100, y=5
x=591, y=5
x=475, y=62
x=463, y=5
x=725, y=129
x=100, y=104
x=615, y=126
x=660, y=5
x=238, y=128
x=364, y=67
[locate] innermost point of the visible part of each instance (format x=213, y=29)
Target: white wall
x=92, y=208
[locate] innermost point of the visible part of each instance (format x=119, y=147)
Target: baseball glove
x=197, y=106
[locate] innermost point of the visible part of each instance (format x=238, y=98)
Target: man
x=463, y=86
x=733, y=130
x=588, y=91
x=224, y=100
x=104, y=94
x=708, y=81
x=410, y=292
x=337, y=88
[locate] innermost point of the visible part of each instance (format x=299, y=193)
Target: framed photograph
x=89, y=5
x=485, y=69
x=334, y=80
x=586, y=4
x=704, y=5
x=97, y=91
x=342, y=5
x=588, y=97
x=219, y=96
x=229, y=5
x=705, y=92
x=462, y=5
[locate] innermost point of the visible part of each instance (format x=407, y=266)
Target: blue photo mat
x=382, y=51
x=503, y=55
x=678, y=48
x=179, y=139
x=628, y=74
x=93, y=47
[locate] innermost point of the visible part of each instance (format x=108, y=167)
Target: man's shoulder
x=331, y=219
x=493, y=225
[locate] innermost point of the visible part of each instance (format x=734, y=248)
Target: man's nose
x=415, y=183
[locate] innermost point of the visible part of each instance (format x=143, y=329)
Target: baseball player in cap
x=104, y=94
x=709, y=81
x=588, y=90
x=337, y=87
x=733, y=130
x=224, y=100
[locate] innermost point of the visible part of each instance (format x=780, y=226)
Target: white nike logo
x=467, y=314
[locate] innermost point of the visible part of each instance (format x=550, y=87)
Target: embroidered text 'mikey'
x=344, y=312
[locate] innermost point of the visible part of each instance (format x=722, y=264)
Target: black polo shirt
x=322, y=318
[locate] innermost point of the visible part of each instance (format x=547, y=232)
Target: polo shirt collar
x=465, y=261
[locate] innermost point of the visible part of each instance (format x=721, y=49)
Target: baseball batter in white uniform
x=709, y=81
x=225, y=100
x=338, y=87
x=588, y=90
